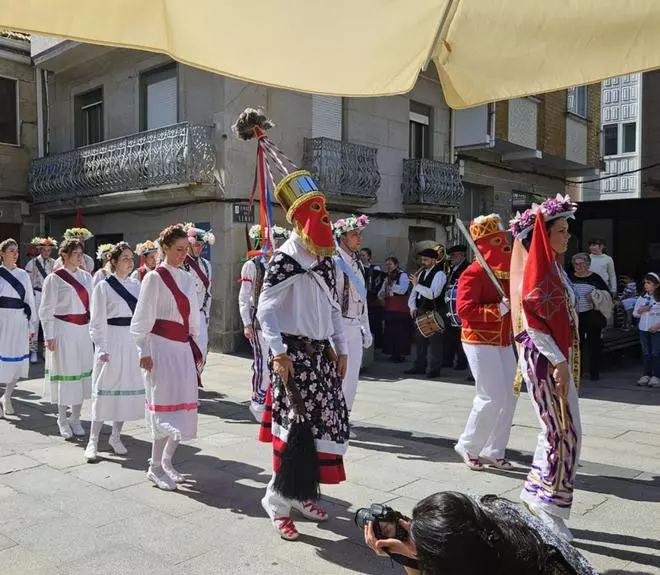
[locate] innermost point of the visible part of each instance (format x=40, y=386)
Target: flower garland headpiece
x=522, y=224
x=558, y=207
x=146, y=248
x=345, y=225
x=198, y=235
x=43, y=242
x=103, y=252
x=278, y=232
x=78, y=233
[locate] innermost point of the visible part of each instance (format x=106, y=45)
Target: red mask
x=312, y=222
x=496, y=251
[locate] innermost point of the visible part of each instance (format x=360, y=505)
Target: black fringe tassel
x=298, y=476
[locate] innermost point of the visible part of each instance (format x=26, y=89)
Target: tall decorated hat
x=43, y=242
x=296, y=190
x=103, y=252
x=78, y=234
x=489, y=235
x=198, y=235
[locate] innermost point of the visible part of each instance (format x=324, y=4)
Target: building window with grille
x=88, y=118
x=8, y=111
x=629, y=138
x=420, y=131
x=611, y=139
x=159, y=101
x=578, y=101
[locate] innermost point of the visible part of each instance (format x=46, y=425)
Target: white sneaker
x=160, y=479
x=33, y=357
x=309, y=510
x=257, y=411
x=91, y=453
x=555, y=524
x=173, y=474
x=7, y=405
x=644, y=380
x=117, y=446
x=653, y=382
x=77, y=428
x=65, y=429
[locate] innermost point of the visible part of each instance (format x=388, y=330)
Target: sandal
x=501, y=463
x=286, y=528
x=473, y=463
x=309, y=510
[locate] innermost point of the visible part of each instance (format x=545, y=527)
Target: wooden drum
x=429, y=323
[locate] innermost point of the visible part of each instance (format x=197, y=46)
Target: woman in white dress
x=102, y=255
x=64, y=314
x=166, y=330
x=18, y=322
x=117, y=388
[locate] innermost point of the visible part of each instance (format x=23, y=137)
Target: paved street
x=60, y=515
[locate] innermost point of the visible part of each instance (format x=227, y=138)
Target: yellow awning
x=484, y=50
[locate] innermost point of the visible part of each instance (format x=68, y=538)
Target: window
x=8, y=111
x=420, y=131
x=629, y=138
x=88, y=118
x=611, y=139
x=159, y=102
x=578, y=101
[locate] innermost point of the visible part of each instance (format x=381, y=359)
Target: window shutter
x=162, y=103
x=326, y=117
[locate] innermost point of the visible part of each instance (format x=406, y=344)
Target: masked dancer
x=166, y=327
x=18, y=322
x=64, y=314
x=252, y=280
x=38, y=268
x=117, y=387
x=300, y=315
x=487, y=341
x=148, y=252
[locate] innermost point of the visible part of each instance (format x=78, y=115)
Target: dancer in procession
x=427, y=296
x=299, y=314
x=103, y=255
x=546, y=324
x=38, y=268
x=397, y=328
x=18, y=323
x=82, y=235
x=148, y=252
x=487, y=341
x=166, y=327
x=374, y=278
x=352, y=293
x=452, y=347
x=64, y=314
x=202, y=274
x=117, y=388
x=252, y=279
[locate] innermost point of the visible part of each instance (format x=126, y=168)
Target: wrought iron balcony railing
x=342, y=168
x=179, y=154
x=431, y=183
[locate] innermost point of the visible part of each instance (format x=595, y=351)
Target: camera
x=384, y=519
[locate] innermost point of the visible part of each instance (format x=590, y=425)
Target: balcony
x=431, y=187
x=178, y=155
x=347, y=173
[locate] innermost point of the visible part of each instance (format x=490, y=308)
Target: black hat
x=459, y=248
x=428, y=253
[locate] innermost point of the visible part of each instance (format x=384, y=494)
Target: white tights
x=95, y=430
x=75, y=413
x=162, y=452
x=9, y=389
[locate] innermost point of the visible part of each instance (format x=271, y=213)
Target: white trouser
x=489, y=424
x=34, y=344
x=353, y=335
x=203, y=335
x=260, y=371
x=275, y=505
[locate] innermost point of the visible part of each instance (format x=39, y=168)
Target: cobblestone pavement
x=59, y=515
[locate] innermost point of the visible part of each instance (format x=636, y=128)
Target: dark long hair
x=454, y=534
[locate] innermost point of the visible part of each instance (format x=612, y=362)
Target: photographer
x=452, y=533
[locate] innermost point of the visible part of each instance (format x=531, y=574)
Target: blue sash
x=352, y=276
x=11, y=302
x=122, y=292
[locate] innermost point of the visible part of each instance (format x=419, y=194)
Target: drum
x=450, y=299
x=430, y=323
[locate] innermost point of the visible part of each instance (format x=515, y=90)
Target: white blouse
x=31, y=268
x=88, y=263
x=357, y=308
x=59, y=298
x=246, y=292
x=107, y=304
x=157, y=302
x=6, y=290
x=300, y=306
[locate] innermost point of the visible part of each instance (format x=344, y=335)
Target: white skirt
x=117, y=387
x=14, y=345
x=171, y=389
x=69, y=367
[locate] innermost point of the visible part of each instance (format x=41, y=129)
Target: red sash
x=173, y=330
x=77, y=318
x=202, y=276
x=142, y=271
x=398, y=303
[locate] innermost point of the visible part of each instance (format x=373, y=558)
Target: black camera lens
x=363, y=516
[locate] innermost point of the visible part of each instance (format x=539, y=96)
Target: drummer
x=452, y=337
x=427, y=296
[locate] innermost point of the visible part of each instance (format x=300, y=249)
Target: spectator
x=374, y=278
x=453, y=533
x=602, y=264
x=398, y=325
x=647, y=309
x=594, y=306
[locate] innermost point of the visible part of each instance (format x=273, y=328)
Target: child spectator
x=647, y=309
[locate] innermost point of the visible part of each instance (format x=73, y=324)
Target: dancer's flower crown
x=345, y=225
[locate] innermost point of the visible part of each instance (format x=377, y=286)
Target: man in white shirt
x=603, y=265
x=38, y=268
x=427, y=296
x=352, y=292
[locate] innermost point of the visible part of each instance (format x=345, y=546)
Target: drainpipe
x=40, y=112
x=45, y=80
x=491, y=125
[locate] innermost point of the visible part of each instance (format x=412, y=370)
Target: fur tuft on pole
x=298, y=475
x=247, y=123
